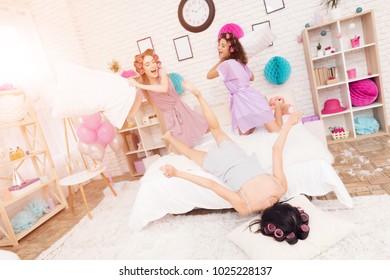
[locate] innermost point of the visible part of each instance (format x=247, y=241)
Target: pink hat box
x=363, y=92
x=332, y=106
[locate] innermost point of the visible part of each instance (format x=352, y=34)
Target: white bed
x=307, y=164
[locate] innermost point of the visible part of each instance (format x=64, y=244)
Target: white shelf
x=19, y=194
x=364, y=58
x=149, y=136
x=34, y=139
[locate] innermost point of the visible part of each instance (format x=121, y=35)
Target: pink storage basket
x=363, y=92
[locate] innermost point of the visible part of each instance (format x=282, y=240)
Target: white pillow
x=257, y=40
x=82, y=91
x=221, y=111
x=325, y=231
x=8, y=255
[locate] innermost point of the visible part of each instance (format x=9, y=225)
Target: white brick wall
x=92, y=33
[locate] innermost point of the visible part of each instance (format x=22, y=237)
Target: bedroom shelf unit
x=342, y=57
x=36, y=161
x=142, y=137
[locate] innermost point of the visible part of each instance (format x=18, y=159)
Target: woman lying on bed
x=250, y=188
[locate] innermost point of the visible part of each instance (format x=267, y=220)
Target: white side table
x=80, y=178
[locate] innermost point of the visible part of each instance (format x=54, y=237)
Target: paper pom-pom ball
x=363, y=92
x=277, y=70
x=177, y=79
x=323, y=33
x=22, y=221
x=231, y=28
x=366, y=125
x=307, y=25
x=359, y=9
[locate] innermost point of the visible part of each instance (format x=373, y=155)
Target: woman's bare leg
x=209, y=115
x=184, y=149
x=276, y=125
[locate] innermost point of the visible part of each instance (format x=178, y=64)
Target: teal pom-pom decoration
x=323, y=33
x=177, y=79
x=22, y=220
x=37, y=208
x=359, y=9
x=366, y=125
x=277, y=70
x=307, y=25
x=29, y=215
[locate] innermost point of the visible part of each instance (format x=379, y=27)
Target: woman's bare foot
x=167, y=135
x=283, y=107
x=250, y=131
x=191, y=87
x=167, y=139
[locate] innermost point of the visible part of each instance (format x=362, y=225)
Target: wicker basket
x=340, y=135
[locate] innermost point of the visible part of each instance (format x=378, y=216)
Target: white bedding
x=307, y=164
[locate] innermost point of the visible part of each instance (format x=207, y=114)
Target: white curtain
x=24, y=65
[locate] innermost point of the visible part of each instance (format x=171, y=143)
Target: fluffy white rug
x=187, y=237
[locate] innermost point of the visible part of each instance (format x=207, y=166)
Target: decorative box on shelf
x=310, y=118
x=340, y=135
x=332, y=81
x=23, y=185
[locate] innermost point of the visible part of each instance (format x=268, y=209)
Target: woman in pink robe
x=154, y=84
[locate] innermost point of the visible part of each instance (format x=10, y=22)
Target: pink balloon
x=105, y=133
x=92, y=121
x=101, y=142
x=85, y=134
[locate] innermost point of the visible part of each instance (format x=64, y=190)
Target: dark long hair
x=237, y=51
x=283, y=222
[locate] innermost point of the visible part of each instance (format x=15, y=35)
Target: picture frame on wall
x=273, y=5
x=259, y=25
x=144, y=44
x=183, y=48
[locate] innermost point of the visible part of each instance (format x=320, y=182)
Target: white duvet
x=307, y=164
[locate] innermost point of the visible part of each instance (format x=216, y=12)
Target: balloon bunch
x=95, y=133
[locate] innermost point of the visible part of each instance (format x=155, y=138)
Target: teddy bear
x=273, y=100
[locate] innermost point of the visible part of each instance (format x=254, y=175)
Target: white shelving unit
x=363, y=58
x=142, y=137
x=39, y=157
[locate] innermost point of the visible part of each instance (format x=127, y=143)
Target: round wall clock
x=196, y=15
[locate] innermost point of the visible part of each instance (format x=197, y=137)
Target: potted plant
x=332, y=7
x=319, y=52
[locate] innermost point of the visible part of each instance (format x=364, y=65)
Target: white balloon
x=96, y=151
x=117, y=143
x=83, y=147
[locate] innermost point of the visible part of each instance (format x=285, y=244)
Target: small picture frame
x=183, y=48
x=145, y=44
x=273, y=5
x=257, y=25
